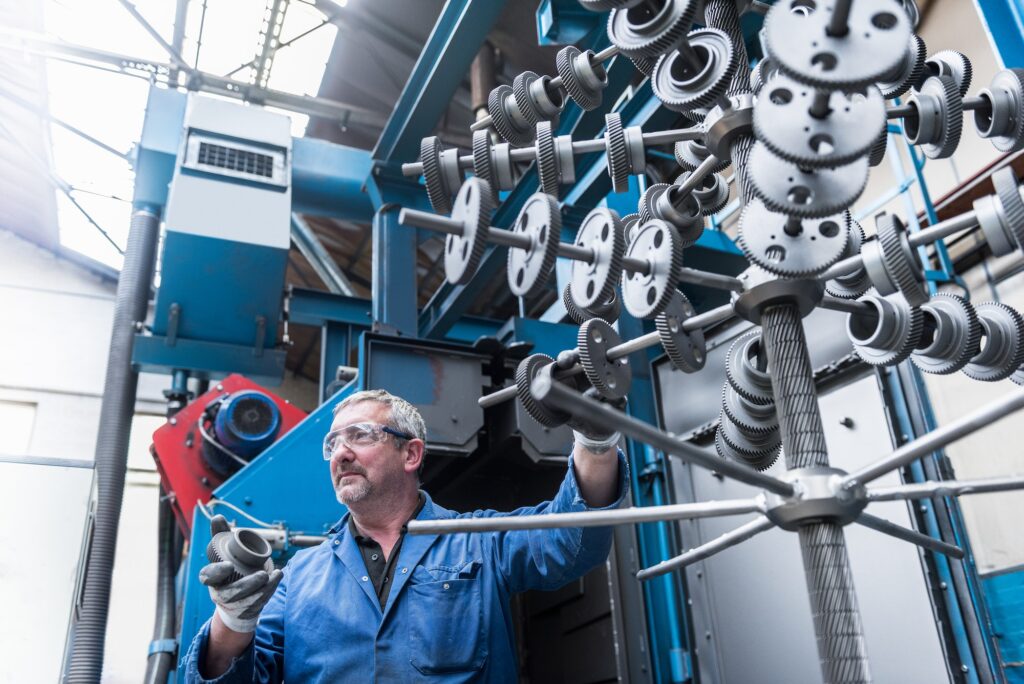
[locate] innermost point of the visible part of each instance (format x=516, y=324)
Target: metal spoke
x=893, y=530
x=927, y=490
x=731, y=538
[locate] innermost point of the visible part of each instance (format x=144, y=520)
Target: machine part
x=583, y=80
x=625, y=151
x=608, y=310
x=992, y=218
x=746, y=369
x=1018, y=377
x=873, y=45
x=462, y=253
x=159, y=664
x=1008, y=191
x=650, y=29
x=789, y=247
x=529, y=269
x=725, y=126
x=575, y=314
x=630, y=225
x=645, y=65
x=877, y=152
x=687, y=351
x=511, y=124
x=759, y=451
x=788, y=123
x=892, y=264
x=482, y=167
x=645, y=295
x=889, y=335
x=1002, y=352
x=682, y=211
x=822, y=497
x=593, y=281
x=913, y=13
x=525, y=373
x=950, y=337
x=761, y=73
x=691, y=154
x=442, y=174
x=938, y=119
x=712, y=194
x=547, y=159
x=683, y=86
x=746, y=415
x=536, y=95
x=247, y=423
x=1001, y=120
x=645, y=207
x=953, y=64
x=611, y=378
x=116, y=410
x=246, y=550
x=763, y=290
x=909, y=73
x=791, y=189
x=854, y=284
x=606, y=5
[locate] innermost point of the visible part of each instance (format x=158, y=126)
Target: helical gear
x=638, y=33
x=1002, y=121
x=611, y=379
x=645, y=65
x=1005, y=183
x=910, y=72
x=954, y=339
x=1003, y=352
x=547, y=159
x=645, y=207
x=851, y=285
x=508, y=121
x=756, y=419
x=526, y=371
x=901, y=262
x=891, y=335
x=435, y=176
x=767, y=239
x=788, y=188
x=681, y=90
x=953, y=64
x=687, y=351
x=482, y=167
x=938, y=123
x=877, y=153
x=691, y=153
x=758, y=451
x=583, y=83
x=617, y=152
x=752, y=384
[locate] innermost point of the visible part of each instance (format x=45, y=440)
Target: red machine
x=214, y=436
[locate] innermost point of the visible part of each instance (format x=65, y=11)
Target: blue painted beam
x=457, y=36
x=1004, y=23
x=317, y=307
x=330, y=179
x=204, y=359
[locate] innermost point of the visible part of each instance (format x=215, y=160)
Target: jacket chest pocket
x=446, y=626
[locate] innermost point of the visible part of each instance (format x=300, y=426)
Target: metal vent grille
x=234, y=159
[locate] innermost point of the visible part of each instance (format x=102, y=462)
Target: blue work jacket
x=447, y=616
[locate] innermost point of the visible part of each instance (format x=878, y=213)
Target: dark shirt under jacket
x=381, y=572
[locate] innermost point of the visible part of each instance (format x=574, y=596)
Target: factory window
x=16, y=421
x=236, y=160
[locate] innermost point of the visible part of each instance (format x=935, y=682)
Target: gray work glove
x=596, y=437
x=239, y=602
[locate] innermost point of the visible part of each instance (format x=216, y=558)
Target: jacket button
x=446, y=585
x=365, y=578
x=337, y=541
x=405, y=570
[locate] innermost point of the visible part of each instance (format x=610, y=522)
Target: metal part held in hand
x=245, y=549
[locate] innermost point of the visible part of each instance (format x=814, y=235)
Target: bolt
x=174, y=421
x=847, y=422
x=455, y=419
x=964, y=668
x=205, y=481
x=700, y=573
x=220, y=388
x=943, y=585
x=707, y=635
x=247, y=501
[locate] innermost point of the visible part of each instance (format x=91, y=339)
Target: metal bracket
x=163, y=646
x=261, y=335
x=173, y=318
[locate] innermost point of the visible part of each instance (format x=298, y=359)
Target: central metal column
x=837, y=623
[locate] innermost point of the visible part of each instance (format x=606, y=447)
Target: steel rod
x=699, y=553
x=572, y=402
x=910, y=110
x=429, y=221
x=899, y=532
x=849, y=306
x=928, y=490
x=509, y=238
x=715, y=280
x=575, y=252
x=938, y=438
x=839, y=22
x=634, y=345
x=621, y=516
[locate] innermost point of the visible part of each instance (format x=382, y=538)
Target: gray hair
x=404, y=416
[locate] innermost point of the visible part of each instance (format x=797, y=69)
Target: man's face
x=359, y=472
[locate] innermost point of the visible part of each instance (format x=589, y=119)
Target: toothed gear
x=1007, y=189
x=789, y=189
x=593, y=282
x=878, y=149
x=749, y=417
x=645, y=65
x=462, y=253
x=758, y=451
x=742, y=373
x=690, y=154
x=1002, y=122
x=760, y=74
x=646, y=204
x=855, y=284
x=1018, y=377
x=518, y=134
x=547, y=160
x=526, y=371
x=585, y=89
x=682, y=212
x=890, y=337
x=575, y=314
x=438, y=192
x=524, y=99
x=759, y=461
x=647, y=295
x=1003, y=353
x=939, y=122
x=651, y=29
x=955, y=339
x=682, y=90
x=611, y=379
x=482, y=167
x=712, y=194
x=953, y=64
x=813, y=246
x=687, y=351
x=630, y=224
x=529, y=269
x=910, y=72
x=608, y=310
x=617, y=153
x=901, y=260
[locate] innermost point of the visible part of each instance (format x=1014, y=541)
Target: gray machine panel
x=750, y=610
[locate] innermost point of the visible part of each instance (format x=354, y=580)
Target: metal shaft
x=928, y=490
x=938, y=438
x=621, y=516
x=910, y=110
x=893, y=530
x=729, y=539
x=839, y=22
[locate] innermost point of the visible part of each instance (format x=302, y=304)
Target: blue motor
x=244, y=424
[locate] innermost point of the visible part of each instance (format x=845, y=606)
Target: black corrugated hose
x=165, y=628
x=118, y=406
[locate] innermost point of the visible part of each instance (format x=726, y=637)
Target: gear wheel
x=462, y=253
x=547, y=160
x=645, y=208
x=575, y=314
x=712, y=195
x=1006, y=186
x=611, y=379
x=525, y=373
x=855, y=284
x=524, y=99
x=1003, y=353
x=647, y=295
x=583, y=82
x=482, y=167
x=645, y=65
x=682, y=89
x=630, y=225
x=617, y=152
x=529, y=269
x=593, y=282
x=953, y=64
x=742, y=373
x=888, y=337
x=512, y=127
x=1002, y=121
x=939, y=121
x=802, y=249
x=910, y=71
x=690, y=154
x=686, y=350
x=650, y=30
x=954, y=338
x=749, y=417
x=878, y=149
x=901, y=261
x=787, y=188
x=752, y=453
x=438, y=192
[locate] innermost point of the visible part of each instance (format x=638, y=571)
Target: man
x=370, y=604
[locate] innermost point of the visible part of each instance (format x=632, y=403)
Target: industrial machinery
x=605, y=183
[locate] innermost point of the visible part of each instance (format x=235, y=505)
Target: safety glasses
x=359, y=435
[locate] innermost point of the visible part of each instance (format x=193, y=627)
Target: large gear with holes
x=683, y=87
x=910, y=72
x=593, y=281
x=686, y=350
x=784, y=122
x=1003, y=352
x=790, y=248
x=890, y=335
x=645, y=295
x=612, y=378
x=951, y=335
x=938, y=121
x=651, y=29
x=462, y=253
x=790, y=189
x=526, y=371
x=583, y=82
x=529, y=269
